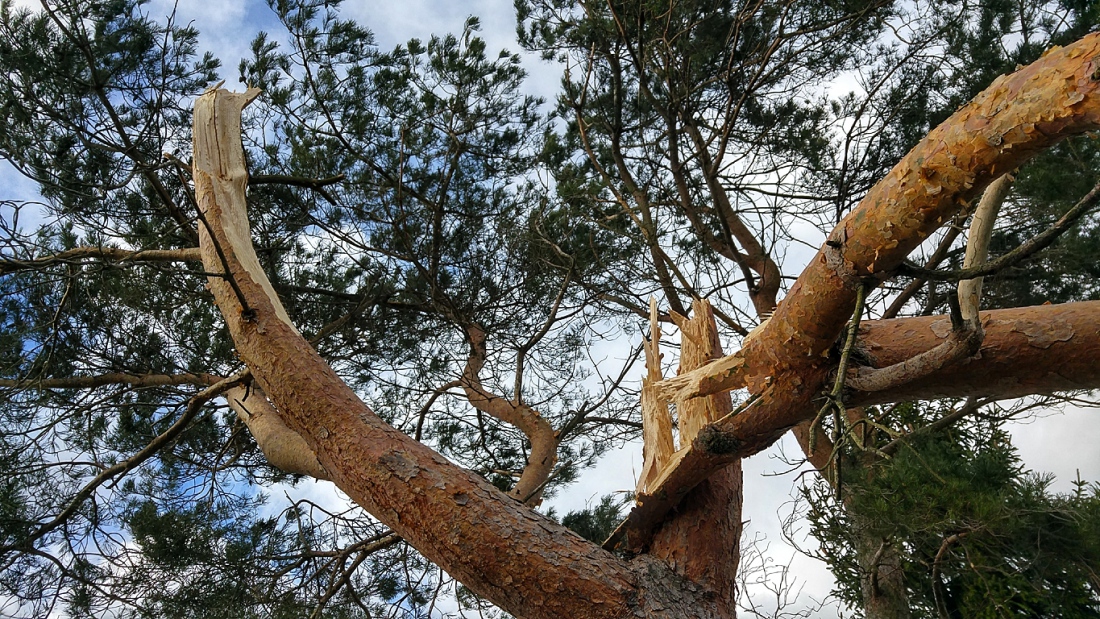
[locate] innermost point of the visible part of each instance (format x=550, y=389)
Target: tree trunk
x=524, y=562
x=881, y=578
x=701, y=541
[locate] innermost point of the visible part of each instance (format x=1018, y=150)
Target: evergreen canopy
x=477, y=266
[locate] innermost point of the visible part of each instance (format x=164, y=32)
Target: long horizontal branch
x=79, y=254
x=113, y=378
x=959, y=344
x=1026, y=351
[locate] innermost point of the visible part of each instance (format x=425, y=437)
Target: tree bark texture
x=522, y=561
x=526, y=563
x=1026, y=351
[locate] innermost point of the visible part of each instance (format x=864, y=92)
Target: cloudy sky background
x=1061, y=444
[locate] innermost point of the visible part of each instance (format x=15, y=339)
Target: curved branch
x=977, y=244
x=544, y=442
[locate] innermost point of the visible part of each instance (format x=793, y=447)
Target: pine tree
x=409, y=304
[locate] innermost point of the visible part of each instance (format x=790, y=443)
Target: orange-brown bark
x=1026, y=350
x=522, y=561
x=526, y=563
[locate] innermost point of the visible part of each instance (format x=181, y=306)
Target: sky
x=1060, y=444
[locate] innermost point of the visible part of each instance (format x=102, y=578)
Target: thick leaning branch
x=1026, y=351
x=520, y=560
x=1018, y=116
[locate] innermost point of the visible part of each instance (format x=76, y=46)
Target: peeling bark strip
x=1018, y=116
x=522, y=561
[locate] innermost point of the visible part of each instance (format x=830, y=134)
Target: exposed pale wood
x=1018, y=116
x=701, y=540
x=284, y=449
x=699, y=345
x=657, y=440
x=719, y=375
x=977, y=244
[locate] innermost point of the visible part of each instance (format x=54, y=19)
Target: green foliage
x=596, y=523
x=402, y=199
x=979, y=536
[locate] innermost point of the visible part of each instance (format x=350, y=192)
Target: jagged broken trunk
x=526, y=563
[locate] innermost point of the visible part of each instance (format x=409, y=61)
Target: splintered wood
x=699, y=345
x=657, y=444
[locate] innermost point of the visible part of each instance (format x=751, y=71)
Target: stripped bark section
x=701, y=541
x=522, y=561
x=977, y=244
